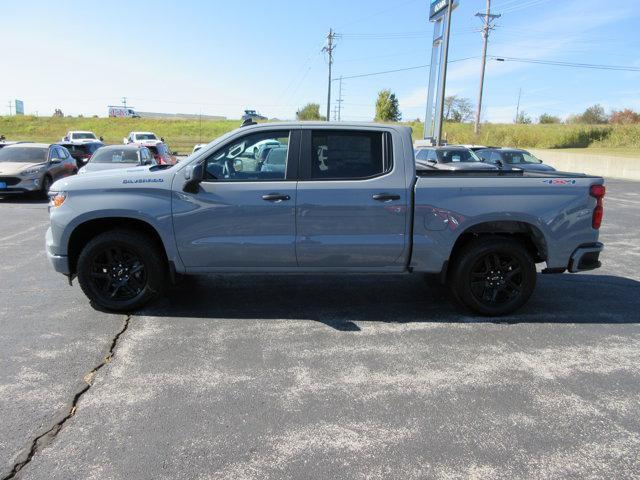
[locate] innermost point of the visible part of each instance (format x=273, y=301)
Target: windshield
x=449, y=155
x=23, y=154
x=514, y=158
x=115, y=155
x=145, y=136
x=83, y=135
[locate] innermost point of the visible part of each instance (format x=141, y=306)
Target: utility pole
x=329, y=49
x=10, y=105
x=339, y=101
x=487, y=19
x=124, y=102
x=518, y=105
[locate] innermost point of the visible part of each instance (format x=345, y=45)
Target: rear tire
x=121, y=270
x=493, y=276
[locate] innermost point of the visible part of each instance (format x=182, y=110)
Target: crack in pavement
x=44, y=439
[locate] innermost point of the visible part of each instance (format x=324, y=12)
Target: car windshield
x=115, y=155
x=83, y=135
x=23, y=154
x=515, y=157
x=448, y=155
x=145, y=136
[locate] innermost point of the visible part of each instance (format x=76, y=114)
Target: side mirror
x=174, y=153
x=193, y=175
x=101, y=139
x=162, y=139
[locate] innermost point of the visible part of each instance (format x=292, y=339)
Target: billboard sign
x=439, y=8
x=19, y=107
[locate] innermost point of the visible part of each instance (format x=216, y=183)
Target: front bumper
x=585, y=257
x=60, y=262
x=25, y=185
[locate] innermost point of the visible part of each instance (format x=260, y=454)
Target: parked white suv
x=81, y=136
x=141, y=137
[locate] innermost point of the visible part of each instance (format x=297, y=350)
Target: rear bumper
x=585, y=257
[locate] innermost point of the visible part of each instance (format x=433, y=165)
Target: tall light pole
x=329, y=49
x=487, y=18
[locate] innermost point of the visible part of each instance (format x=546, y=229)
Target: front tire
x=493, y=276
x=121, y=270
x=47, y=181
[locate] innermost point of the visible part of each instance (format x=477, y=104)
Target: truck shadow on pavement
x=340, y=301
x=24, y=199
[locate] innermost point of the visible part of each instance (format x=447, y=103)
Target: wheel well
x=88, y=230
x=525, y=233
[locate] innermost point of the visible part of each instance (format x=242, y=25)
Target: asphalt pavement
x=320, y=377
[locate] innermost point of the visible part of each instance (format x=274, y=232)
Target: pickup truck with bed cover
x=348, y=199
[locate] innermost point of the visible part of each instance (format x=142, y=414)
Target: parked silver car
x=33, y=167
x=450, y=158
x=119, y=156
x=508, y=158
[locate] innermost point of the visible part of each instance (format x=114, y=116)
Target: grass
x=181, y=135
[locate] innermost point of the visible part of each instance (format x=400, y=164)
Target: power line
x=402, y=69
x=559, y=63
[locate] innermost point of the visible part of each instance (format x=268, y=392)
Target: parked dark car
x=33, y=167
x=82, y=152
x=119, y=156
x=450, y=158
x=509, y=158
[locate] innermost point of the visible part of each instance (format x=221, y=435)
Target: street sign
x=19, y=107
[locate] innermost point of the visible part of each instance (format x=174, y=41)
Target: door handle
x=275, y=197
x=385, y=197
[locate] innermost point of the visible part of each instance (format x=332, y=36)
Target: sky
x=219, y=57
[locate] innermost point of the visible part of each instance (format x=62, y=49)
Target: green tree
x=387, y=107
x=457, y=109
x=548, y=118
x=311, y=111
x=593, y=115
x=523, y=118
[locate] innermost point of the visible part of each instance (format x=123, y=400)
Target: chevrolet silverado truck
x=349, y=199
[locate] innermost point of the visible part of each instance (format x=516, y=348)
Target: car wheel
x=46, y=185
x=493, y=276
x=121, y=270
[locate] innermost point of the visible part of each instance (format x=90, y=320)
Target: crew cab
x=348, y=200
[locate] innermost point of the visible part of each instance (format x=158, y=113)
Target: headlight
x=56, y=199
x=31, y=171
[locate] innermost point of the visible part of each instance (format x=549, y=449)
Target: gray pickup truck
x=341, y=198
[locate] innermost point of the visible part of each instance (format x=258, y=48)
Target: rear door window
x=344, y=155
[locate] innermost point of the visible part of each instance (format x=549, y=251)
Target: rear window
x=86, y=149
x=153, y=150
x=145, y=136
x=344, y=155
x=115, y=155
x=82, y=136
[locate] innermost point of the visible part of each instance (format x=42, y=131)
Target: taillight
x=597, y=192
